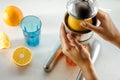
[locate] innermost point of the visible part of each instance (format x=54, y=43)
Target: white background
x=51, y=13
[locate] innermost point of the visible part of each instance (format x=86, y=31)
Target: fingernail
x=83, y=24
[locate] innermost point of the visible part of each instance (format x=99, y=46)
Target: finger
x=78, y=37
x=85, y=51
x=90, y=26
x=63, y=36
x=80, y=47
x=101, y=15
x=72, y=40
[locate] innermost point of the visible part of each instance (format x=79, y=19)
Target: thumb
x=89, y=26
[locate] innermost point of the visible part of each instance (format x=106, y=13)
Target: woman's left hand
x=74, y=50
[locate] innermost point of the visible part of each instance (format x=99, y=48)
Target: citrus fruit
x=12, y=15
x=4, y=41
x=22, y=56
x=75, y=23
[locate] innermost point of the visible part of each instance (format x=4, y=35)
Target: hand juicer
x=85, y=9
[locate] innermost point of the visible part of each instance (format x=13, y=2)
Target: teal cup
x=31, y=27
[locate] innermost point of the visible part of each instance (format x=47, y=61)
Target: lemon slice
x=22, y=56
x=4, y=41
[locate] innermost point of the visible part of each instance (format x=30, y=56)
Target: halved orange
x=22, y=56
x=12, y=15
x=75, y=23
x=4, y=41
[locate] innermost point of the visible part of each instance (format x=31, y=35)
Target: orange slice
x=22, y=56
x=4, y=41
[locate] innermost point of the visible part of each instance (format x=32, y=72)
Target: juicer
x=84, y=10
x=81, y=10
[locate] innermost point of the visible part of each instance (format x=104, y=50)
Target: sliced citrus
x=22, y=56
x=75, y=23
x=4, y=41
x=12, y=15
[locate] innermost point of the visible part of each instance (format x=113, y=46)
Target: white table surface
x=51, y=13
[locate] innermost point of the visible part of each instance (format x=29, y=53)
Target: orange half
x=75, y=23
x=22, y=56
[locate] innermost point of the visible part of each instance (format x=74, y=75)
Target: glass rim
x=40, y=22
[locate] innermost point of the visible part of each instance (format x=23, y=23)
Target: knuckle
x=105, y=16
x=73, y=41
x=99, y=30
x=66, y=50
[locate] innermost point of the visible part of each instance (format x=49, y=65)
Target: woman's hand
x=72, y=49
x=77, y=53
x=106, y=29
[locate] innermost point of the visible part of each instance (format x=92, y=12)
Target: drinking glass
x=31, y=27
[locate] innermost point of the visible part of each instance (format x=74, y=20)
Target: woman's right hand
x=106, y=29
